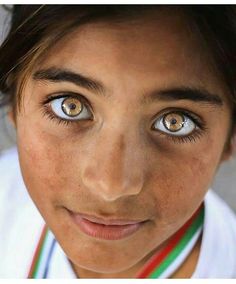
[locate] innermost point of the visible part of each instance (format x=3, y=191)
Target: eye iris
x=173, y=121
x=71, y=106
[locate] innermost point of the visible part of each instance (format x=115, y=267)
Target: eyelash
x=184, y=139
x=196, y=134
x=49, y=114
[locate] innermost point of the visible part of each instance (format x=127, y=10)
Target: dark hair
x=34, y=28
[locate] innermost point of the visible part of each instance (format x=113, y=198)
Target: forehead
x=158, y=47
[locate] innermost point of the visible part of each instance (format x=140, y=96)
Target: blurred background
x=224, y=183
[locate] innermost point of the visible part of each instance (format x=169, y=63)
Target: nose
x=114, y=166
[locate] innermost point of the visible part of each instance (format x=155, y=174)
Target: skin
x=152, y=176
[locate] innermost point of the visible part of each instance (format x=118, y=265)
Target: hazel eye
x=70, y=108
x=175, y=123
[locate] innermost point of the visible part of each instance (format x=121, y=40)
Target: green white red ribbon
x=164, y=263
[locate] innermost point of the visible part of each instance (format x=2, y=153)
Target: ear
x=230, y=147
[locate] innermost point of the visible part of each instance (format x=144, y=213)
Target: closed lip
x=104, y=228
x=113, y=221
x=107, y=221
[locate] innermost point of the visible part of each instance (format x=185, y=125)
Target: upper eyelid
x=61, y=94
x=58, y=95
x=196, y=118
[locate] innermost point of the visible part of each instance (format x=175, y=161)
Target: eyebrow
x=195, y=94
x=63, y=75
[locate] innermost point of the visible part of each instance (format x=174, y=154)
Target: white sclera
x=56, y=106
x=188, y=126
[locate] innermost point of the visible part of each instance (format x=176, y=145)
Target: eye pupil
x=173, y=121
x=71, y=106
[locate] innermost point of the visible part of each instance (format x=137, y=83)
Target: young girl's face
x=134, y=132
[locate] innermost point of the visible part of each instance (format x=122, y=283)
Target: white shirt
x=21, y=225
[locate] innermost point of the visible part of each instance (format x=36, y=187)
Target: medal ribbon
x=161, y=265
x=165, y=262
x=42, y=256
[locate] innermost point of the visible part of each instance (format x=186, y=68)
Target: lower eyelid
x=196, y=134
x=47, y=112
x=192, y=137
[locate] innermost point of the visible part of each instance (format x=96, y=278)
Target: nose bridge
x=114, y=168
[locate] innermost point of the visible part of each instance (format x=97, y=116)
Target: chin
x=103, y=266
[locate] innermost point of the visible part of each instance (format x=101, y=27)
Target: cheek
x=46, y=164
x=179, y=185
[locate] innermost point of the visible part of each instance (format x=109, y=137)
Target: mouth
x=106, y=229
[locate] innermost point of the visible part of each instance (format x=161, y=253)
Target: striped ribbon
x=161, y=265
x=165, y=262
x=41, y=261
